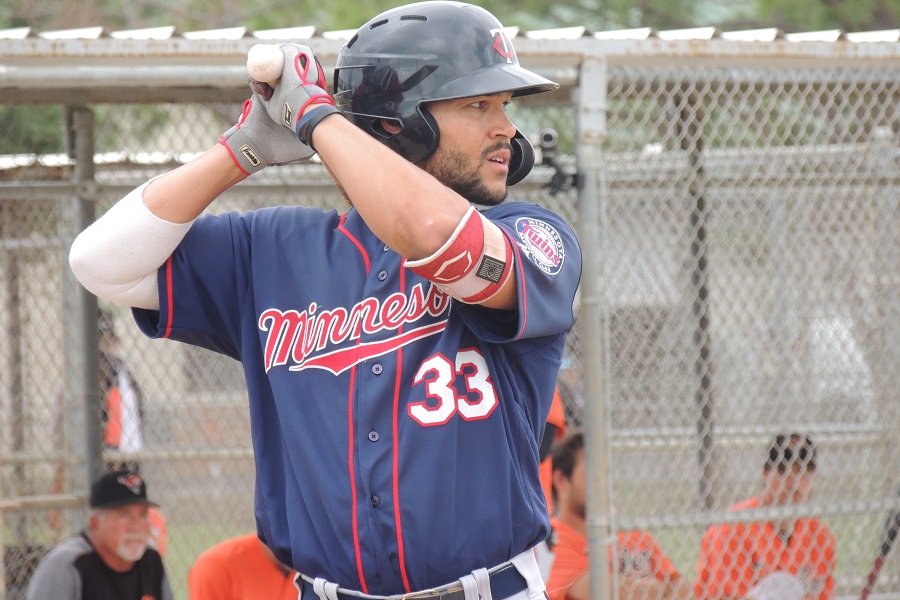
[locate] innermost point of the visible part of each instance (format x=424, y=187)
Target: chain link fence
x=747, y=269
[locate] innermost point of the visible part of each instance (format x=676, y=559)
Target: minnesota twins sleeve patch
x=542, y=244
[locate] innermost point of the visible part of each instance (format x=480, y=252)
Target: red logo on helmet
x=503, y=46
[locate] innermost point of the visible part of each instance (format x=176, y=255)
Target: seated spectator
x=644, y=571
x=111, y=559
x=781, y=559
x=240, y=568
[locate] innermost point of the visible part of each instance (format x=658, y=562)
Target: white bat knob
x=265, y=63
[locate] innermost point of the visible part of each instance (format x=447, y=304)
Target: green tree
x=847, y=15
x=31, y=130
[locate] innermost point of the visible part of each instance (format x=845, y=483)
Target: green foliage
x=597, y=15
x=813, y=15
x=31, y=130
x=39, y=129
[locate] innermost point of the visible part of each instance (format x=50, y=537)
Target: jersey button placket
x=377, y=369
x=373, y=436
x=375, y=500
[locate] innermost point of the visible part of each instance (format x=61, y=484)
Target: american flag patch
x=490, y=269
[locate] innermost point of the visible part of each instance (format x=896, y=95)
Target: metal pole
x=16, y=386
x=84, y=362
x=887, y=294
x=690, y=133
x=594, y=321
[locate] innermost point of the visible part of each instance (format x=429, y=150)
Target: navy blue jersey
x=396, y=431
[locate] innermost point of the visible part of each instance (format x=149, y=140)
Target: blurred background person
x=123, y=402
x=122, y=417
x=112, y=558
x=783, y=559
x=644, y=571
x=240, y=568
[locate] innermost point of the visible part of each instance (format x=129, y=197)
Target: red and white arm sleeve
x=117, y=257
x=473, y=264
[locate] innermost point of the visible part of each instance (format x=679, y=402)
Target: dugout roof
x=93, y=65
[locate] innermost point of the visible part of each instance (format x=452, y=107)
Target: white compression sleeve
x=117, y=257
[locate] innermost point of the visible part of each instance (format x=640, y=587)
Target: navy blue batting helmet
x=418, y=53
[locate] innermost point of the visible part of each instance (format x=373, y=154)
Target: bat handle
x=872, y=578
x=263, y=89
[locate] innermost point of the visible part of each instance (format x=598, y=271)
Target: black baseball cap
x=119, y=488
x=789, y=449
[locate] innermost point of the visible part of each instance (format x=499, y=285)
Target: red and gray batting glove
x=301, y=88
x=256, y=142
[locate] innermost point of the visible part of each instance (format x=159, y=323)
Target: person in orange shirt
x=644, y=570
x=785, y=559
x=123, y=399
x=240, y=568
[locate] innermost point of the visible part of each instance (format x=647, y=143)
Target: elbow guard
x=473, y=264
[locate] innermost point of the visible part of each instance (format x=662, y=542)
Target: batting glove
x=301, y=88
x=256, y=142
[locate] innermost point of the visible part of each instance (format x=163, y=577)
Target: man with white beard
x=111, y=559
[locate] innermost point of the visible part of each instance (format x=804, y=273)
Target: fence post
x=690, y=136
x=82, y=336
x=594, y=318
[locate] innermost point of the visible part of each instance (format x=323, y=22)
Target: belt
x=505, y=582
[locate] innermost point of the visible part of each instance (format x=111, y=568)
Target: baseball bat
x=889, y=535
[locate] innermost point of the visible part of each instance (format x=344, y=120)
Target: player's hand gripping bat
x=257, y=140
x=298, y=100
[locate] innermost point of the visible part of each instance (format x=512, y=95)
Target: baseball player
x=400, y=357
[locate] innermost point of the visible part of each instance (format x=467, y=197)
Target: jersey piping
x=395, y=455
x=351, y=423
x=520, y=274
x=170, y=297
x=352, y=238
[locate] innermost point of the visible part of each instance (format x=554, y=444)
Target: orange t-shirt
x=639, y=556
x=159, y=531
x=736, y=556
x=238, y=569
x=112, y=436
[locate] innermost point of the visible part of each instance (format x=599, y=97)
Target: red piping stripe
x=350, y=465
x=170, y=299
x=520, y=272
x=355, y=241
x=401, y=554
x=351, y=432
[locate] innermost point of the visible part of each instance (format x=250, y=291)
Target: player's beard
x=454, y=169
x=132, y=547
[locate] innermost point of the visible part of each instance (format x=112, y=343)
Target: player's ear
x=558, y=479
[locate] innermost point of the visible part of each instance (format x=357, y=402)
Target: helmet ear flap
x=522, y=159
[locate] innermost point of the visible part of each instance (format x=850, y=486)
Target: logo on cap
x=503, y=46
x=133, y=482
